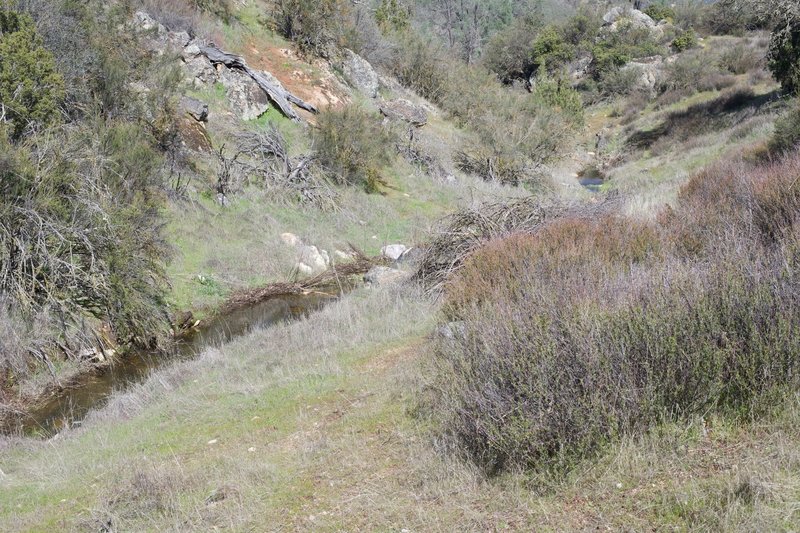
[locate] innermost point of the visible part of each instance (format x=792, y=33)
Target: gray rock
x=195, y=108
x=384, y=276
x=613, y=15
x=360, y=74
x=244, y=95
x=650, y=72
x=410, y=256
x=642, y=19
x=393, y=251
x=199, y=70
x=404, y=110
x=579, y=68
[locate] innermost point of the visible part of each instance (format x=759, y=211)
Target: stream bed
x=68, y=407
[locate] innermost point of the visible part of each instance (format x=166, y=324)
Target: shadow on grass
x=728, y=110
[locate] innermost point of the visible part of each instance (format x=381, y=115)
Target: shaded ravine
x=69, y=406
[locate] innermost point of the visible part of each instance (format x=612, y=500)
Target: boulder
x=579, y=68
x=312, y=257
x=402, y=109
x=360, y=74
x=393, y=251
x=303, y=269
x=615, y=17
x=384, y=276
x=650, y=72
x=412, y=256
x=199, y=69
x=244, y=95
x=343, y=256
x=194, y=108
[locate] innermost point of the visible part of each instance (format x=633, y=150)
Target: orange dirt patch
x=313, y=82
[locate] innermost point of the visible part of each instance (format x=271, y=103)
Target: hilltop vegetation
x=597, y=326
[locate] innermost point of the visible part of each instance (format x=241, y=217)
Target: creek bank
x=63, y=403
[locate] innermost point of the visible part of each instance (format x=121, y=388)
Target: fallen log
x=282, y=98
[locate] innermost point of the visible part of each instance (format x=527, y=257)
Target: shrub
x=589, y=328
x=318, y=27
x=740, y=59
x=353, y=146
x=787, y=132
x=392, y=15
x=784, y=57
x=559, y=95
x=30, y=87
x=684, y=41
x=659, y=12
x=550, y=51
x=509, y=52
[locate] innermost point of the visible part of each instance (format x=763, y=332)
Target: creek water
x=69, y=406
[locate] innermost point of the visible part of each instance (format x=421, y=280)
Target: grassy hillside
x=560, y=357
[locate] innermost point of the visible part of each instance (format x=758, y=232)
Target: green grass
x=328, y=408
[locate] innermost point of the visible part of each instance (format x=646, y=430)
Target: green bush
x=686, y=40
x=787, y=132
x=30, y=87
x=784, y=57
x=559, y=95
x=353, y=145
x=318, y=27
x=550, y=51
x=659, y=12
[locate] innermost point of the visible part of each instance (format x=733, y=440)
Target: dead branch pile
x=467, y=230
x=337, y=276
x=263, y=156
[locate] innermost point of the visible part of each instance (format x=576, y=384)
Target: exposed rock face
x=195, y=108
x=360, y=74
x=245, y=96
x=404, y=110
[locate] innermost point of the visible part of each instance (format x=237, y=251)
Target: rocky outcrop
x=250, y=91
x=194, y=108
x=615, y=18
x=360, y=74
x=246, y=98
x=405, y=110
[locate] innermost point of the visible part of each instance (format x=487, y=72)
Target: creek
x=68, y=406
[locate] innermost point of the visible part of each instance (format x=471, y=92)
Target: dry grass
x=327, y=406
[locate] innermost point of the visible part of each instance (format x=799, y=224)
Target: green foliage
x=392, y=15
x=686, y=40
x=784, y=57
x=316, y=26
x=787, y=131
x=659, y=12
x=550, y=51
x=559, y=95
x=30, y=87
x=353, y=145
x=221, y=8
x=509, y=52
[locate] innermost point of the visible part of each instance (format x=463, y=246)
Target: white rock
x=311, y=256
x=303, y=269
x=393, y=251
x=290, y=239
x=381, y=275
x=342, y=256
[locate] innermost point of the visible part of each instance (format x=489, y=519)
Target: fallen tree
x=274, y=90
